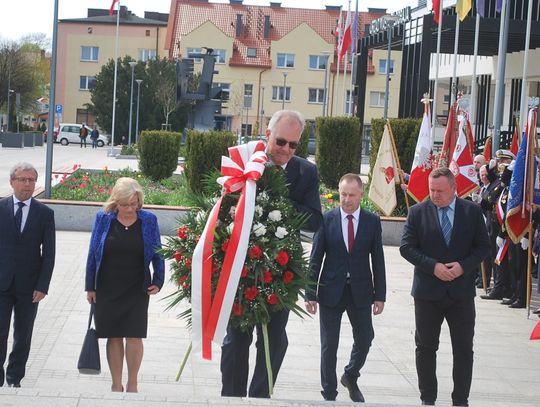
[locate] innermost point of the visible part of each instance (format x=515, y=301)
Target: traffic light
x=184, y=69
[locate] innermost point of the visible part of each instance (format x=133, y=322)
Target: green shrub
x=302, y=150
x=338, y=148
x=158, y=153
x=129, y=149
x=203, y=154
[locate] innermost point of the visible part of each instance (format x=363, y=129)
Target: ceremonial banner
x=462, y=165
x=417, y=187
x=382, y=190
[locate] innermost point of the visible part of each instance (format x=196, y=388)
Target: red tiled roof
x=187, y=15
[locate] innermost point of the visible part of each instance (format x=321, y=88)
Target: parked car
x=69, y=133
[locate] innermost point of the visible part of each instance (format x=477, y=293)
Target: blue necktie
x=18, y=216
x=446, y=226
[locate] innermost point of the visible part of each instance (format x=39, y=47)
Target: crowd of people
x=451, y=242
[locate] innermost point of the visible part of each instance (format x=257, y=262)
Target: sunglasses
x=282, y=143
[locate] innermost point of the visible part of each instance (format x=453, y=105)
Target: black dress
x=121, y=300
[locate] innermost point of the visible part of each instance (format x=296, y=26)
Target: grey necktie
x=446, y=226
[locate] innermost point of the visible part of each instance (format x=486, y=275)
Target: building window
x=315, y=95
x=277, y=93
x=376, y=99
x=252, y=52
x=148, y=33
x=317, y=61
x=349, y=103
x=248, y=96
x=382, y=66
x=89, y=53
x=285, y=60
x=219, y=56
x=86, y=82
x=446, y=98
x=191, y=52
x=225, y=90
x=147, y=54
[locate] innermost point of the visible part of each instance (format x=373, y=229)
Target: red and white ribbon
x=210, y=316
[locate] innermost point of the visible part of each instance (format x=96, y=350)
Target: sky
x=20, y=17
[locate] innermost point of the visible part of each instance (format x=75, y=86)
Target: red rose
x=182, y=282
x=244, y=271
x=282, y=257
x=188, y=262
x=237, y=309
x=178, y=256
x=272, y=299
x=288, y=276
x=183, y=232
x=251, y=293
x=255, y=252
x=224, y=246
x=267, y=277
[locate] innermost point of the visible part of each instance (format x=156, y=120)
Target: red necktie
x=350, y=233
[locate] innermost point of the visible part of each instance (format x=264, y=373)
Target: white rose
x=232, y=211
x=259, y=229
x=259, y=210
x=263, y=195
x=281, y=232
x=275, y=216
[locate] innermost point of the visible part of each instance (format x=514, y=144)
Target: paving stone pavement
x=506, y=372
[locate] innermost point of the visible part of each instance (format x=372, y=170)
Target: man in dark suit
x=445, y=239
x=27, y=250
x=283, y=133
x=347, y=240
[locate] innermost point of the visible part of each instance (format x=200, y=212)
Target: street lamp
x=132, y=65
x=10, y=91
x=325, y=95
x=284, y=90
x=139, y=81
x=389, y=22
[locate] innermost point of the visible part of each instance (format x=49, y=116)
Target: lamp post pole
x=387, y=87
x=284, y=90
x=9, y=92
x=325, y=95
x=139, y=81
x=132, y=65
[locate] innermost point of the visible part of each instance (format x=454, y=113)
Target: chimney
x=275, y=5
x=236, y=2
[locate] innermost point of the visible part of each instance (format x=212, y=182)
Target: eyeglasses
x=282, y=143
x=24, y=180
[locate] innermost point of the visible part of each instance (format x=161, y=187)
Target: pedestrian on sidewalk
x=27, y=253
x=347, y=283
x=94, y=136
x=445, y=239
x=125, y=240
x=83, y=133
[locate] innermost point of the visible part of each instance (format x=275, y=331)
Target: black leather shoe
x=14, y=385
x=536, y=311
x=517, y=304
x=491, y=296
x=428, y=403
x=461, y=404
x=354, y=392
x=508, y=301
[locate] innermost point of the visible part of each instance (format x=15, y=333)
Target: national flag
x=498, y=6
x=382, y=190
x=514, y=147
x=517, y=213
x=501, y=253
x=111, y=9
x=450, y=137
x=462, y=8
x=487, y=149
x=417, y=187
x=481, y=7
x=462, y=165
x=346, y=38
x=436, y=4
x=339, y=27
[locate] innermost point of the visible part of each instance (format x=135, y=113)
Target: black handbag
x=89, y=361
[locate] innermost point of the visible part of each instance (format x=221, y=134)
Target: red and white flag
x=422, y=165
x=111, y=9
x=346, y=38
x=462, y=165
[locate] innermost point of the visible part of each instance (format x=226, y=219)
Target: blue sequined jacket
x=151, y=240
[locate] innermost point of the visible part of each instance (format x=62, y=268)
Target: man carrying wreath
x=283, y=134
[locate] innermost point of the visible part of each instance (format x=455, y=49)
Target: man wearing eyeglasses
x=283, y=134
x=27, y=252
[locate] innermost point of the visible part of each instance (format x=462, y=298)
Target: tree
x=165, y=88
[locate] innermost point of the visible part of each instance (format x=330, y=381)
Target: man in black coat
x=445, y=239
x=283, y=133
x=27, y=252
x=352, y=279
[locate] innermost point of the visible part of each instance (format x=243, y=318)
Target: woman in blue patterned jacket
x=125, y=240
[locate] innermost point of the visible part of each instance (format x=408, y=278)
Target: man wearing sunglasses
x=283, y=134
x=27, y=252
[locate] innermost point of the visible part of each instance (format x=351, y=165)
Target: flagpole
x=343, y=93
x=524, y=110
x=354, y=28
x=435, y=86
x=531, y=143
x=472, y=108
x=454, y=68
x=115, y=77
x=396, y=159
x=336, y=78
